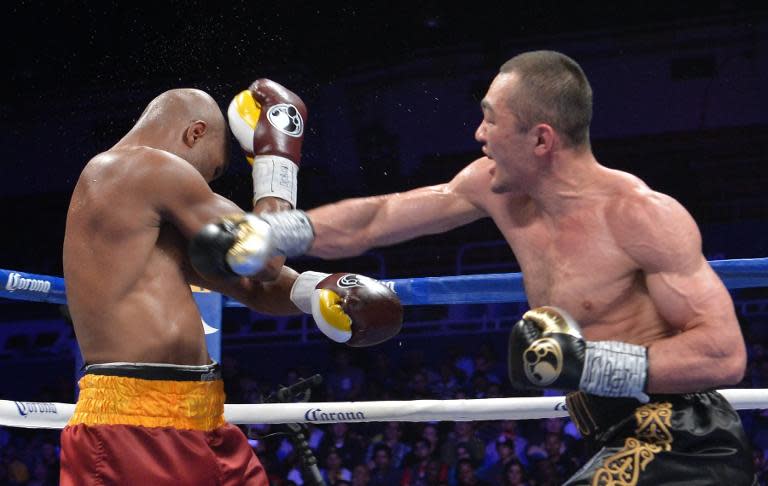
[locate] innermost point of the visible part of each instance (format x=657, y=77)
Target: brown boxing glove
x=349, y=308
x=268, y=121
x=280, y=130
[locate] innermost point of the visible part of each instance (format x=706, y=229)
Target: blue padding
x=28, y=286
x=459, y=289
x=742, y=274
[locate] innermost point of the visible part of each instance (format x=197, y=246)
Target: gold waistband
x=118, y=400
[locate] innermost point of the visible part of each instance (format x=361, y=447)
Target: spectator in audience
x=545, y=473
x=467, y=476
x=361, y=476
x=416, y=474
x=384, y=473
x=463, y=433
x=507, y=433
x=430, y=432
x=391, y=437
x=334, y=469
x=345, y=442
x=546, y=426
x=514, y=475
x=559, y=455
x=505, y=450
x=447, y=383
x=437, y=473
x=462, y=452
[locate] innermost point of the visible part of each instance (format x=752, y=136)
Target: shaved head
x=186, y=122
x=180, y=107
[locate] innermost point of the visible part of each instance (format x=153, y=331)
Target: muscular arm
x=352, y=226
x=708, y=349
x=182, y=197
x=272, y=297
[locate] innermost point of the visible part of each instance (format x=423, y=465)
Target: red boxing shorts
x=137, y=424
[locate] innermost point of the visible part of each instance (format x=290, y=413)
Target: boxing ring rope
x=51, y=415
x=490, y=288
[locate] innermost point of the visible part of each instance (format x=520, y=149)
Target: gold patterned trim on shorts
x=652, y=436
x=118, y=400
x=578, y=409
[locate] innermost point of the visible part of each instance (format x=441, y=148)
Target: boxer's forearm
x=343, y=229
x=352, y=226
x=271, y=298
x=697, y=359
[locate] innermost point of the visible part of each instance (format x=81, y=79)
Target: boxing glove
x=268, y=122
x=242, y=244
x=546, y=350
x=349, y=308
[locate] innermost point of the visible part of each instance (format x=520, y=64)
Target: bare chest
x=575, y=265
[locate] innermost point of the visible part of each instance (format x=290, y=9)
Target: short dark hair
x=552, y=89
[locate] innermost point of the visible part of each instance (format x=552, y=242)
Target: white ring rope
x=51, y=415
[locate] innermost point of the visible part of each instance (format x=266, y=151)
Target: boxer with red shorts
x=143, y=225
x=151, y=424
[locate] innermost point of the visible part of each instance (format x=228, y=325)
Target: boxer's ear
x=545, y=139
x=194, y=132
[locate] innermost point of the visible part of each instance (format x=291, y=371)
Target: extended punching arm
x=242, y=244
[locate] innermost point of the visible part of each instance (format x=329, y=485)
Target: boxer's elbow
x=734, y=365
x=726, y=362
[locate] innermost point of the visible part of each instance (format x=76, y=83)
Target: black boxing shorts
x=692, y=439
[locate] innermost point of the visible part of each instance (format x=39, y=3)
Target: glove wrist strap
x=292, y=232
x=615, y=369
x=303, y=288
x=274, y=176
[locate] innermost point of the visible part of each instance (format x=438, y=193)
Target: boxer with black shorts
x=641, y=329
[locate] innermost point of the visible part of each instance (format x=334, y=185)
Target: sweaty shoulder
x=653, y=228
x=143, y=177
x=137, y=163
x=474, y=182
x=156, y=165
